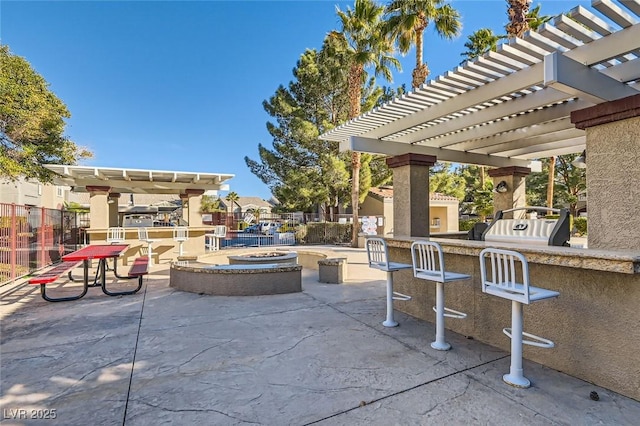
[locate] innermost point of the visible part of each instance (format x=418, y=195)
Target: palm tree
x=231, y=197
x=481, y=42
x=521, y=19
x=518, y=23
x=361, y=43
x=407, y=20
x=534, y=18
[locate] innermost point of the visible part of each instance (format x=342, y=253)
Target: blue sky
x=179, y=85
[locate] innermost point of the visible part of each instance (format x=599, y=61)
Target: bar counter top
x=626, y=262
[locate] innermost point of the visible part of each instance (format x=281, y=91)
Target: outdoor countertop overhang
x=625, y=262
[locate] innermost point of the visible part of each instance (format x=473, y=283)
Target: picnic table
x=85, y=255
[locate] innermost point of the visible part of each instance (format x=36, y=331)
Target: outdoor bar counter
x=164, y=248
x=594, y=323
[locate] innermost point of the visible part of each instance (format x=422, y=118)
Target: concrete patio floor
x=318, y=357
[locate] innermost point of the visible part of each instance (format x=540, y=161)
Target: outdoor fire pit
x=273, y=257
x=237, y=280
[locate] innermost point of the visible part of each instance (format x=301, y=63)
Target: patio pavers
x=321, y=356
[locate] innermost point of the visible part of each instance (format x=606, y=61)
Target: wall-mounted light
x=111, y=201
x=501, y=187
x=581, y=161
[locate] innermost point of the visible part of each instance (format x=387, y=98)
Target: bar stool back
x=378, y=256
x=115, y=235
x=143, y=235
x=508, y=277
x=180, y=235
x=428, y=264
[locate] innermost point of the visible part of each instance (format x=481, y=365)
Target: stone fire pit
x=264, y=258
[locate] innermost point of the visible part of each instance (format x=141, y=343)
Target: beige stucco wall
x=446, y=211
x=613, y=185
x=595, y=323
x=165, y=249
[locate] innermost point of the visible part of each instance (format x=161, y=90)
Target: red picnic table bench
x=139, y=269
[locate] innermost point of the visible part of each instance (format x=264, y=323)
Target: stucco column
x=191, y=201
x=515, y=194
x=113, y=208
x=613, y=173
x=98, y=210
x=411, y=194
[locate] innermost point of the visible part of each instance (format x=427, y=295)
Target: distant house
x=33, y=193
x=443, y=209
x=247, y=204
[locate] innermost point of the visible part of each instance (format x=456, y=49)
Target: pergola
x=510, y=107
x=137, y=181
x=104, y=183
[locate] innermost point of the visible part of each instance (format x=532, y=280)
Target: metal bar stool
x=428, y=264
x=143, y=235
x=115, y=235
x=509, y=279
x=180, y=235
x=379, y=259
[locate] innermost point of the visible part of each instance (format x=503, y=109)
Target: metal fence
x=285, y=229
x=34, y=237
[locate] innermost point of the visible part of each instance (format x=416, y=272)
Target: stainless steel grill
x=542, y=231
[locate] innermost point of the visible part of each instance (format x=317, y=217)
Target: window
x=59, y=191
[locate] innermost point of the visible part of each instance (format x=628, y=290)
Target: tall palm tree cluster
x=521, y=20
x=369, y=37
x=371, y=34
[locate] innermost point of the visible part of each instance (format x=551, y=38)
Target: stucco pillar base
x=613, y=172
x=191, y=201
x=411, y=194
x=113, y=208
x=98, y=202
x=515, y=195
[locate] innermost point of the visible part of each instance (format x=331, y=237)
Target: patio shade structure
x=511, y=107
x=137, y=180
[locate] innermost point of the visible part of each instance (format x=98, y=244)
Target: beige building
x=443, y=209
x=33, y=193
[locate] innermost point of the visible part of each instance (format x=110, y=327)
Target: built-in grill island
x=532, y=231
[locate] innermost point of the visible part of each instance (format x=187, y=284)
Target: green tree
x=408, y=19
x=570, y=181
x=444, y=180
x=210, y=204
x=480, y=42
x=301, y=170
x=231, y=197
x=32, y=122
x=362, y=44
x=478, y=197
x=535, y=20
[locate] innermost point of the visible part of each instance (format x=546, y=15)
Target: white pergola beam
x=530, y=141
x=375, y=146
x=614, y=12
x=628, y=71
x=569, y=76
x=534, y=122
x=524, y=103
x=570, y=144
x=512, y=83
x=611, y=46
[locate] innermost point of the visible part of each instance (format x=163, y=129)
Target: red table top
x=96, y=252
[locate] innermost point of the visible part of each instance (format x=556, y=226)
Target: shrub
x=580, y=224
x=467, y=225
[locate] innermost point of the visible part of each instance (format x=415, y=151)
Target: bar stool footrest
x=451, y=313
x=400, y=296
x=540, y=342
